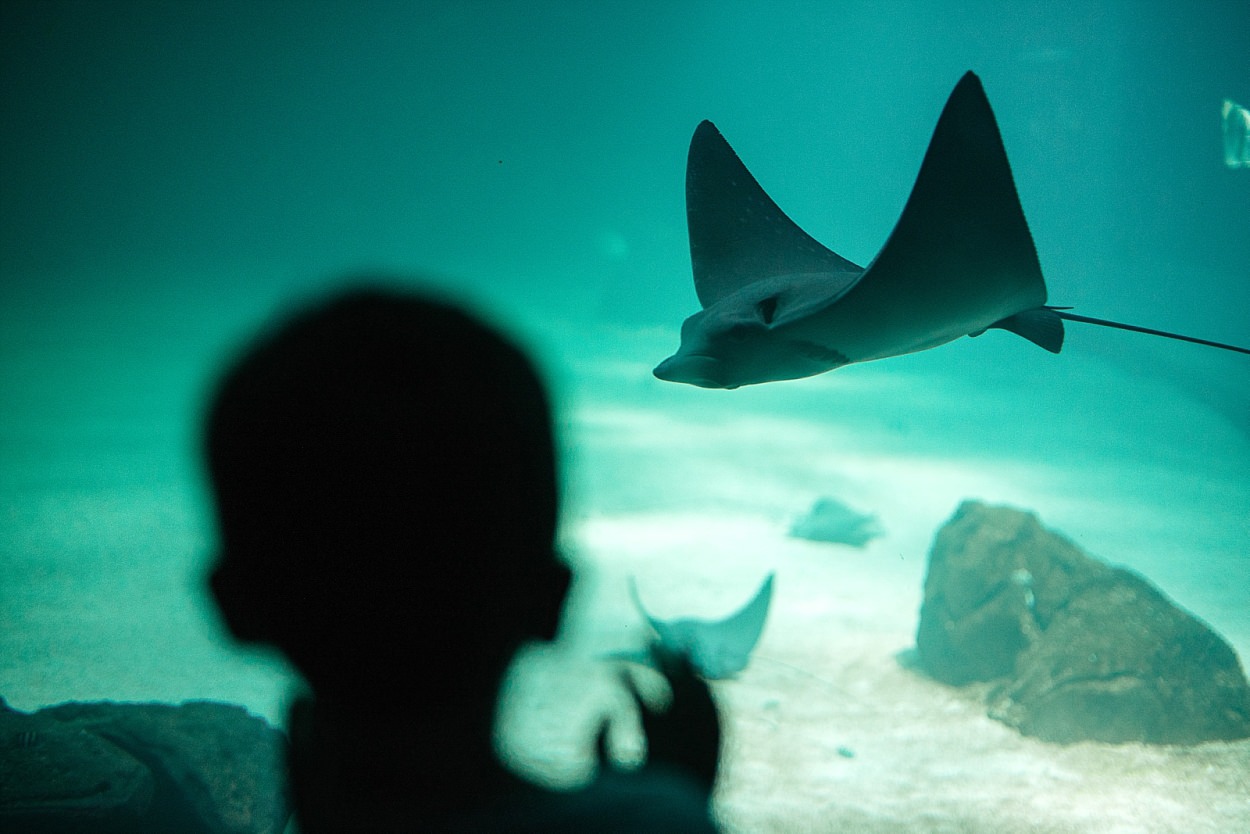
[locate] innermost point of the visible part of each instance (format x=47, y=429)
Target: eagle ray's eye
x=767, y=309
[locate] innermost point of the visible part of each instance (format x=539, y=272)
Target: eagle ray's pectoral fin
x=1041, y=325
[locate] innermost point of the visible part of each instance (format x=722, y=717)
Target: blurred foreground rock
x=1077, y=650
x=196, y=768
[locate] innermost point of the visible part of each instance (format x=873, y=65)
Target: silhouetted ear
x=561, y=579
x=240, y=603
x=550, y=595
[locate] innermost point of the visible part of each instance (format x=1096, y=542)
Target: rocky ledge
x=103, y=767
x=1073, y=649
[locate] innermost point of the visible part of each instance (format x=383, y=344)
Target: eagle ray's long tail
x=1061, y=313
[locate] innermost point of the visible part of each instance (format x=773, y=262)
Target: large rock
x=196, y=768
x=61, y=779
x=1077, y=650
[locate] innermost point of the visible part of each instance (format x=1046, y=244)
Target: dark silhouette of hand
x=685, y=737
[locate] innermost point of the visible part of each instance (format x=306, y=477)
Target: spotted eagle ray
x=716, y=649
x=778, y=305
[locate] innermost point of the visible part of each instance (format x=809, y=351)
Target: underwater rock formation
x=102, y=767
x=1077, y=650
x=61, y=778
x=829, y=520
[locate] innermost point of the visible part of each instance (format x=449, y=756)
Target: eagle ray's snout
x=702, y=371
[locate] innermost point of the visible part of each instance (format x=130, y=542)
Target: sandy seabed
x=828, y=731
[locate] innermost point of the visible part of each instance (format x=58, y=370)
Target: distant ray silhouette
x=829, y=520
x=1236, y=123
x=716, y=648
x=778, y=305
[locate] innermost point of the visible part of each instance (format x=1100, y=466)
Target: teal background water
x=174, y=174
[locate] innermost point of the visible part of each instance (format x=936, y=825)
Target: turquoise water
x=175, y=174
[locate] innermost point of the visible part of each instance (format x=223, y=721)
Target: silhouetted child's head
x=386, y=492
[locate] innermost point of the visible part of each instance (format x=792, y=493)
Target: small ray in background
x=717, y=649
x=829, y=520
x=1236, y=122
